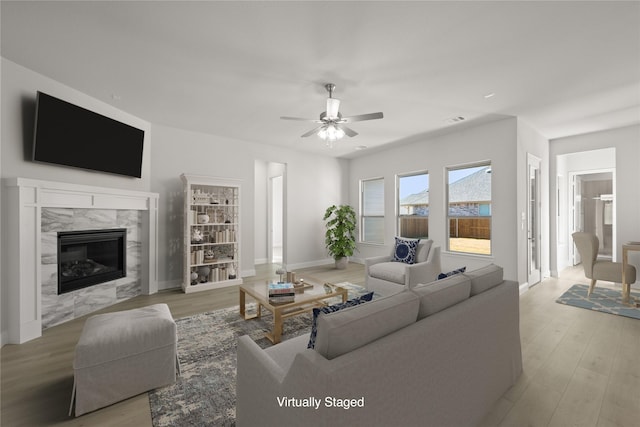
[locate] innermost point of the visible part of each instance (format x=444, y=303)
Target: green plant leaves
x=340, y=237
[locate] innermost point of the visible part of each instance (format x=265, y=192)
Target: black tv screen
x=69, y=135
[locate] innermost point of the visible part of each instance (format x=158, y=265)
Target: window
x=372, y=210
x=469, y=208
x=413, y=205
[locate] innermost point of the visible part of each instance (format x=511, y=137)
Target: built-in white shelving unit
x=211, y=233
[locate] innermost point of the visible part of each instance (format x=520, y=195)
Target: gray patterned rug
x=205, y=392
x=604, y=300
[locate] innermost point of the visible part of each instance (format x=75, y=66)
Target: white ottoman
x=123, y=354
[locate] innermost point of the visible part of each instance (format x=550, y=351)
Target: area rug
x=205, y=392
x=604, y=300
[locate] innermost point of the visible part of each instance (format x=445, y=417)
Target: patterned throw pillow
x=451, y=273
x=405, y=250
x=333, y=309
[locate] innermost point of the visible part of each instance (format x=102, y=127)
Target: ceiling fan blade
x=333, y=105
x=348, y=131
x=300, y=119
x=361, y=117
x=311, y=132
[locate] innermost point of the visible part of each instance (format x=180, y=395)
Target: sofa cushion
x=439, y=295
x=332, y=309
x=405, y=250
x=389, y=271
x=346, y=330
x=451, y=273
x=484, y=278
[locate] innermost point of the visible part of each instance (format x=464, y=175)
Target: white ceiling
x=233, y=68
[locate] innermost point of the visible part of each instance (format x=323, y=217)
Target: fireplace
x=90, y=257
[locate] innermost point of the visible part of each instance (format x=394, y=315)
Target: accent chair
x=387, y=277
x=595, y=269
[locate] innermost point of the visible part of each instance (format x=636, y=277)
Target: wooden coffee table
x=316, y=296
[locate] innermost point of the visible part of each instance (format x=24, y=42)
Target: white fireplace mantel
x=25, y=199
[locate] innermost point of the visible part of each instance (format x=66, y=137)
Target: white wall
x=496, y=141
x=532, y=142
x=19, y=87
x=313, y=182
x=17, y=112
x=626, y=142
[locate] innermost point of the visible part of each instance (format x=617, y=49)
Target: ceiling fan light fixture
x=332, y=124
x=333, y=105
x=330, y=132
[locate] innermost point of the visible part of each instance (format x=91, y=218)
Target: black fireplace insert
x=90, y=257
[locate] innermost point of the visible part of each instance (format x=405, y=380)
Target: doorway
x=594, y=210
x=534, y=235
x=276, y=223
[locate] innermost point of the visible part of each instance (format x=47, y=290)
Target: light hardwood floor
x=581, y=368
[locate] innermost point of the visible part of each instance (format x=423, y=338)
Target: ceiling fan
x=331, y=121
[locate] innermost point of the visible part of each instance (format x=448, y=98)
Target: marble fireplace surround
x=28, y=202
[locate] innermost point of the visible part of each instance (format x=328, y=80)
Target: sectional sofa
x=440, y=354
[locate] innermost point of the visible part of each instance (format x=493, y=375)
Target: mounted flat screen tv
x=69, y=135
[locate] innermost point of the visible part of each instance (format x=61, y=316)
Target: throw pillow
x=405, y=250
x=332, y=309
x=451, y=273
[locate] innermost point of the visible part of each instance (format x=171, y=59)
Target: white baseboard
x=248, y=273
x=177, y=284
x=169, y=284
x=291, y=267
x=4, y=338
x=524, y=288
x=259, y=261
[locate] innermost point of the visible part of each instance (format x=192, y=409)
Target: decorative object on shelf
x=200, y=198
x=211, y=232
x=196, y=236
x=203, y=272
x=281, y=272
x=340, y=237
x=220, y=216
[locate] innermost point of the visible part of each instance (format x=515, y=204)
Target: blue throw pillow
x=451, y=273
x=405, y=250
x=332, y=309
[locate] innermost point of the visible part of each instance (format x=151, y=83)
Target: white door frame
x=534, y=209
x=275, y=214
x=574, y=257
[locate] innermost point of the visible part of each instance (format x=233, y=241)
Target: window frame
x=363, y=217
x=447, y=170
x=398, y=213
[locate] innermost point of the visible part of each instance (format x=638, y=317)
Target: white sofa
x=440, y=354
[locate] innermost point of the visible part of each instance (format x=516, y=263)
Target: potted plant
x=340, y=237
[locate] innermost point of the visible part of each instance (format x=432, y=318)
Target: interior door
x=578, y=215
x=534, y=235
